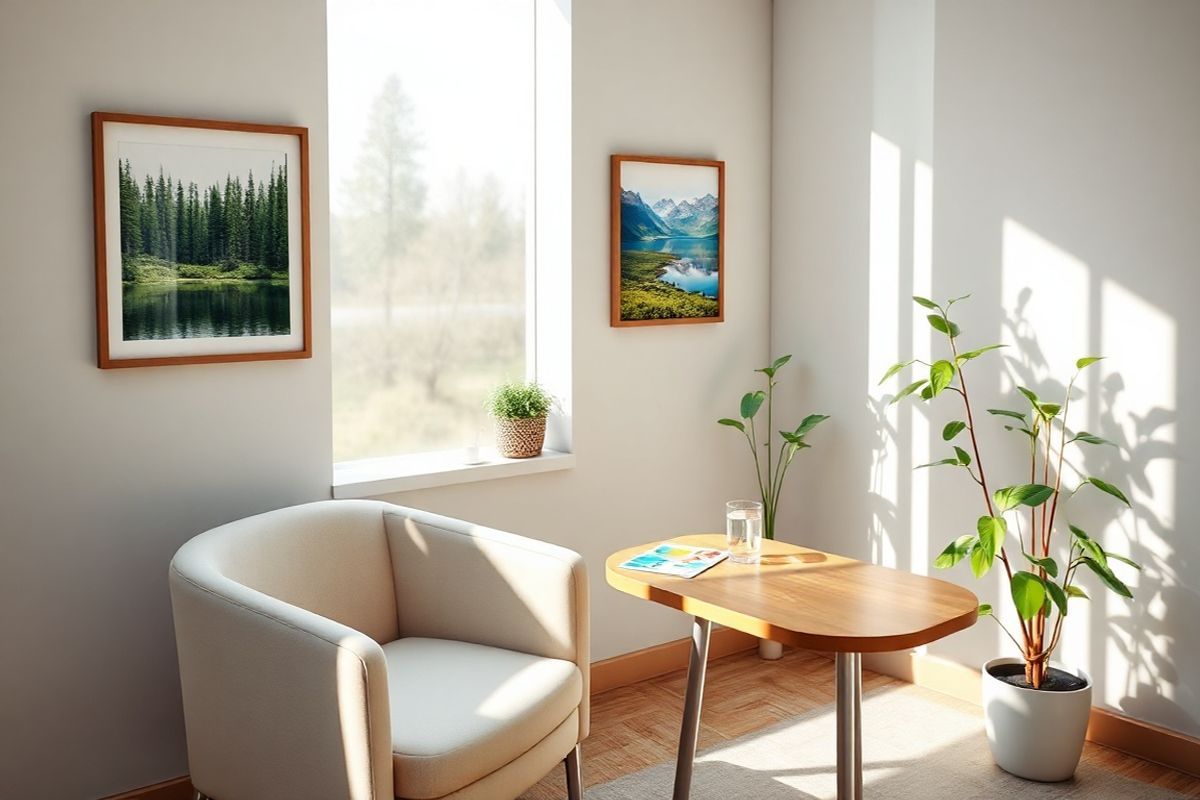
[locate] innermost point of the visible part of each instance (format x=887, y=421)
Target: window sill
x=373, y=477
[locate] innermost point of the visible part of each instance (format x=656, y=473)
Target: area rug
x=917, y=744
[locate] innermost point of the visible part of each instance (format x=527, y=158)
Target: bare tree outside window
x=428, y=227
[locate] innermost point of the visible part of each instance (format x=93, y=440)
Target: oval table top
x=806, y=598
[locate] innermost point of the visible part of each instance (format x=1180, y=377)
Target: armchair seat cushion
x=461, y=711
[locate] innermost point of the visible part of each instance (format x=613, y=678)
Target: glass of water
x=743, y=530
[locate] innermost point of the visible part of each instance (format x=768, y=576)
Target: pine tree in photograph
x=228, y=224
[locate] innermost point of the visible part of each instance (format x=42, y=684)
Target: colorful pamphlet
x=676, y=559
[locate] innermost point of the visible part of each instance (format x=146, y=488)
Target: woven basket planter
x=520, y=438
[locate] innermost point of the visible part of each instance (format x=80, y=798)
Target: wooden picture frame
x=667, y=255
x=178, y=279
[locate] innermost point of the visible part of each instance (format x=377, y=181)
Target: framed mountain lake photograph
x=202, y=251
x=668, y=240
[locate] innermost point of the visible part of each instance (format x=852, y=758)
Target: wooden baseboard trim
x=1143, y=740
x=650, y=662
x=174, y=789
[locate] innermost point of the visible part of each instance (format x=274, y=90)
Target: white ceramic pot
x=769, y=650
x=1035, y=734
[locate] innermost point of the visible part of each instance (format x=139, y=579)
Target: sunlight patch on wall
x=1137, y=409
x=883, y=323
x=1045, y=301
x=1045, y=296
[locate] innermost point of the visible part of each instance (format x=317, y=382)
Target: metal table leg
x=848, y=669
x=701, y=629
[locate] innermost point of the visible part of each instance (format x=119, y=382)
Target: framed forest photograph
x=202, y=248
x=668, y=240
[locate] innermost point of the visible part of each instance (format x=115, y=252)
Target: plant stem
x=752, y=437
x=1062, y=450
x=987, y=496
x=772, y=498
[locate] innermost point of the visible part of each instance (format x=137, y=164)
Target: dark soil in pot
x=1056, y=680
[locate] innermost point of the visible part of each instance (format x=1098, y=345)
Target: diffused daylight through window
x=431, y=118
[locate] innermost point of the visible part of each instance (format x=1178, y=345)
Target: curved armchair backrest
x=330, y=558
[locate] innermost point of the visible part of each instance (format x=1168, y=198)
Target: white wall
x=104, y=474
x=958, y=147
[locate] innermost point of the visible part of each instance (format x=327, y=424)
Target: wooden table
x=805, y=598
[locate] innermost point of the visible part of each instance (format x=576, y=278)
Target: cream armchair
x=356, y=649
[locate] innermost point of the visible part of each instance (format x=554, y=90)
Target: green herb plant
x=519, y=400
x=771, y=469
x=1040, y=585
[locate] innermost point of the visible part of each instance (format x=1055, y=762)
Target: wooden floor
x=638, y=726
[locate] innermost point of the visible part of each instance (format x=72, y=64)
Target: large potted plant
x=520, y=411
x=772, y=465
x=1036, y=711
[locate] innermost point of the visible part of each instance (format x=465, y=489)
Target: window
x=432, y=130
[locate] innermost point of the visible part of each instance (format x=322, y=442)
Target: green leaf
x=1029, y=494
x=927, y=393
x=893, y=369
x=1029, y=395
x=953, y=429
x=1075, y=591
x=940, y=323
x=955, y=552
x=1108, y=488
x=985, y=609
x=1002, y=412
x=791, y=438
x=751, y=402
x=992, y=531
x=963, y=457
x=1089, y=546
x=981, y=560
x=1057, y=595
x=810, y=422
x=1048, y=564
x=733, y=423
x=1087, y=362
x=970, y=354
x=907, y=390
x=942, y=463
x=1025, y=431
x=1106, y=575
x=1123, y=560
x=1090, y=438
x=1028, y=594
x=926, y=303
x=771, y=370
x=940, y=375
x=1049, y=410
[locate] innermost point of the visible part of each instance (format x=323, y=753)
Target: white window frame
x=547, y=287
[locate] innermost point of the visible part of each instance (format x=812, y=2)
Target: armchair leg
x=574, y=775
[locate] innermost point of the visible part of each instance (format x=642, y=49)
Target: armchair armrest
x=466, y=582
x=279, y=702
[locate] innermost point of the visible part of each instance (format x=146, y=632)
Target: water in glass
x=743, y=530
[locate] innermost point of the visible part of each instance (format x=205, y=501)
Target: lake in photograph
x=205, y=308
x=695, y=267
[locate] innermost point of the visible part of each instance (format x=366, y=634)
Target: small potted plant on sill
x=520, y=410
x=1036, y=713
x=772, y=467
